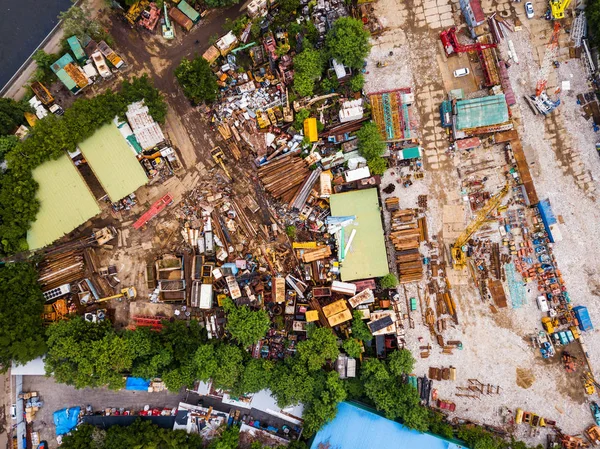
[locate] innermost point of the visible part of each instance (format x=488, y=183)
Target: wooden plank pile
x=406, y=235
x=62, y=268
x=283, y=177
x=311, y=255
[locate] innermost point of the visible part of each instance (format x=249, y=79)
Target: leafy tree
x=220, y=3
x=287, y=8
x=370, y=143
x=292, y=383
x=354, y=388
x=324, y=408
x=301, y=115
x=256, y=376
x=44, y=61
x=11, y=114
x=388, y=281
x=348, y=42
x=7, y=143
x=377, y=165
x=142, y=88
x=352, y=347
x=77, y=21
x=357, y=82
x=401, y=362
x=359, y=328
x=291, y=231
x=21, y=308
x=308, y=67
x=320, y=347
x=592, y=14
x=84, y=436
x=439, y=426
x=247, y=327
x=206, y=361
x=183, y=375
x=478, y=438
x=230, y=366
x=197, y=80
x=229, y=439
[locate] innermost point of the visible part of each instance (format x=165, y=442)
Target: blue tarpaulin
x=548, y=217
x=137, y=384
x=66, y=419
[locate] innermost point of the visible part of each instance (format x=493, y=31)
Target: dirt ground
x=497, y=349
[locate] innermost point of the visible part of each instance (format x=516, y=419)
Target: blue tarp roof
x=137, y=384
x=355, y=428
x=66, y=419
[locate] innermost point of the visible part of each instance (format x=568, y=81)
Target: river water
x=23, y=26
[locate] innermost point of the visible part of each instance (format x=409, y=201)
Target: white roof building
x=146, y=130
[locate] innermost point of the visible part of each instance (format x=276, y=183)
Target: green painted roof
x=478, y=112
x=65, y=202
x=411, y=153
x=113, y=162
x=367, y=256
x=64, y=77
x=76, y=48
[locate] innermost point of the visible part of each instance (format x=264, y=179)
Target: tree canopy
x=352, y=347
x=246, y=326
x=371, y=146
x=348, y=42
x=11, y=114
x=592, y=14
x=78, y=21
x=142, y=87
x=21, y=308
x=308, y=67
x=197, y=80
x=388, y=281
x=320, y=347
x=359, y=328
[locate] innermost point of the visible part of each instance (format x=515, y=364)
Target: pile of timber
x=59, y=269
x=392, y=204
x=311, y=255
x=407, y=232
x=283, y=177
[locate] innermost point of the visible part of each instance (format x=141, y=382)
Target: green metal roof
x=64, y=77
x=367, y=256
x=411, y=153
x=76, y=48
x=61, y=62
x=113, y=162
x=479, y=112
x=185, y=8
x=65, y=202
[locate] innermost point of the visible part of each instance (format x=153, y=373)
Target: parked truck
x=583, y=318
x=109, y=54
x=181, y=19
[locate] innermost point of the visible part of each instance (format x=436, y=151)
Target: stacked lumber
x=392, y=204
x=282, y=178
x=406, y=234
x=62, y=268
x=311, y=255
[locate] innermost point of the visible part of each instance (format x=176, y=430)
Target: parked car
x=461, y=72
x=540, y=250
x=539, y=241
x=529, y=10
x=13, y=411
x=542, y=303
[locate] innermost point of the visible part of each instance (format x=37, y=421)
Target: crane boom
x=459, y=258
x=549, y=58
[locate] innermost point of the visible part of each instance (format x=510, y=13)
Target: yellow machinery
x=128, y=293
x=134, y=11
x=218, y=156
x=558, y=8
x=459, y=258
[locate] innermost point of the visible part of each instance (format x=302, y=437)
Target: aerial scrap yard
x=485, y=214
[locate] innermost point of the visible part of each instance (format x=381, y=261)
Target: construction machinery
x=168, y=31
x=557, y=7
x=288, y=114
x=134, y=11
x=452, y=46
x=459, y=257
x=129, y=293
x=42, y=93
x=540, y=102
x=219, y=158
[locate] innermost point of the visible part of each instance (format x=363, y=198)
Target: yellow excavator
x=459, y=258
x=127, y=293
x=219, y=157
x=558, y=8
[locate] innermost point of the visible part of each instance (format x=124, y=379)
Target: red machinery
x=156, y=208
x=453, y=46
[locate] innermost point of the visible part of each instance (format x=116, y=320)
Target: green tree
x=84, y=436
x=77, y=21
x=292, y=383
x=324, y=408
x=352, y=347
x=220, y=3
x=320, y=347
x=230, y=366
x=377, y=165
x=478, y=438
x=357, y=82
x=354, y=388
x=142, y=89
x=301, y=115
x=592, y=14
x=370, y=143
x=44, y=61
x=439, y=426
x=197, y=80
x=206, y=361
x=388, y=281
x=256, y=376
x=308, y=67
x=359, y=328
x=348, y=42
x=246, y=326
x=7, y=143
x=21, y=308
x=11, y=114
x=401, y=362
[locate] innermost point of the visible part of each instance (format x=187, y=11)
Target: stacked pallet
x=392, y=204
x=406, y=237
x=59, y=269
x=283, y=177
x=311, y=255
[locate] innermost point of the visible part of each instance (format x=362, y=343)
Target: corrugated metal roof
x=76, y=48
x=65, y=202
x=61, y=62
x=367, y=257
x=185, y=8
x=478, y=112
x=146, y=130
x=113, y=162
x=310, y=129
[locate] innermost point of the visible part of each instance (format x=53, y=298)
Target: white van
x=542, y=303
x=461, y=72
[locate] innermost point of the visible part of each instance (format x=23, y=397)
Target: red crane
x=453, y=46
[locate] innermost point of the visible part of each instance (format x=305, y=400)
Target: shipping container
x=583, y=318
x=185, y=8
x=181, y=19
